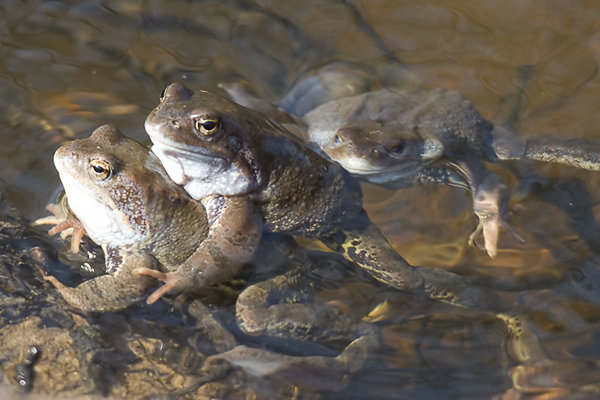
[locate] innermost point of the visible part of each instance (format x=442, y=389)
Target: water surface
x=68, y=67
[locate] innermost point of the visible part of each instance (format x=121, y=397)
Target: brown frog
x=146, y=225
x=210, y=146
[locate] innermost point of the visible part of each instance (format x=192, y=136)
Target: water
x=68, y=67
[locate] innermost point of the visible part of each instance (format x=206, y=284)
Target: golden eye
x=207, y=126
x=100, y=169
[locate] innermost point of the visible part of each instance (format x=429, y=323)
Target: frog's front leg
x=64, y=223
x=489, y=204
x=113, y=291
x=438, y=174
x=233, y=236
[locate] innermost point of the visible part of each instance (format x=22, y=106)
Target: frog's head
x=108, y=180
x=371, y=136
x=371, y=148
x=206, y=142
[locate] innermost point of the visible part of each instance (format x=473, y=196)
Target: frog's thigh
x=283, y=307
x=112, y=291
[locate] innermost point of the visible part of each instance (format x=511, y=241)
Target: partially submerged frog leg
x=435, y=174
x=441, y=175
x=113, y=291
x=489, y=204
x=366, y=246
x=64, y=223
x=234, y=235
x=315, y=372
x=284, y=307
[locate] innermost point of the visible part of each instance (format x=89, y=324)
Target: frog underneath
x=145, y=224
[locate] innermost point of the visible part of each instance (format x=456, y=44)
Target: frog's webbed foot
x=64, y=223
x=488, y=202
x=173, y=281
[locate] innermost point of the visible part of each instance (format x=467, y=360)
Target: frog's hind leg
x=112, y=291
x=282, y=309
x=367, y=247
x=314, y=372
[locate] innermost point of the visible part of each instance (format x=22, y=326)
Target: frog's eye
x=207, y=126
x=338, y=139
x=100, y=169
x=398, y=148
x=162, y=94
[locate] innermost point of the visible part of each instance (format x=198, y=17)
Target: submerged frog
x=146, y=225
x=212, y=146
x=388, y=136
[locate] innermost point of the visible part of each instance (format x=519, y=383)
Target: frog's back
x=450, y=117
x=307, y=195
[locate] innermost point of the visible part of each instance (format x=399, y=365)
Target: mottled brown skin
x=147, y=226
x=199, y=135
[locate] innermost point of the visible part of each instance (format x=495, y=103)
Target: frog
x=374, y=136
x=147, y=226
x=387, y=136
x=213, y=146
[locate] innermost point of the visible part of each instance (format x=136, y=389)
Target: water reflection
x=68, y=67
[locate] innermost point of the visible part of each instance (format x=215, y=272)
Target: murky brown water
x=68, y=67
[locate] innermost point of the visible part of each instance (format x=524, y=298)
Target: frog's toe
x=66, y=227
x=173, y=282
x=55, y=282
x=489, y=229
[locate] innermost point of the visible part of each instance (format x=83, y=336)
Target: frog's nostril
x=175, y=124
